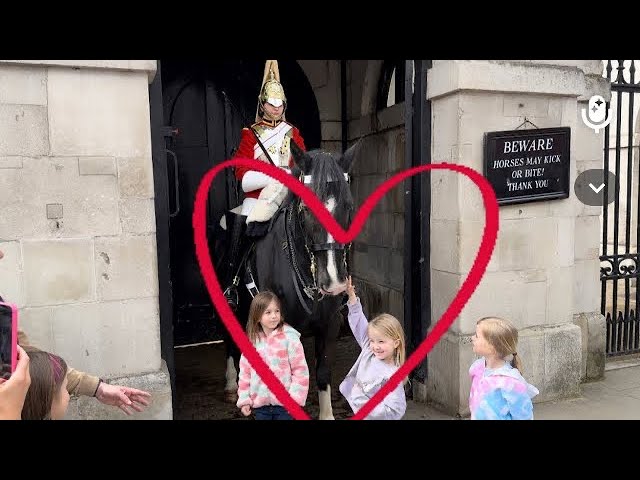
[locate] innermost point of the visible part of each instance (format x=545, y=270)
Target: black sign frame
x=491, y=140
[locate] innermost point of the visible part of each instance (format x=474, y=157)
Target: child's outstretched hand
x=351, y=291
x=246, y=410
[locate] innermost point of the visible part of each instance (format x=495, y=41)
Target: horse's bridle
x=311, y=289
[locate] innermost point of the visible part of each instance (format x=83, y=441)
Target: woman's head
x=498, y=337
x=264, y=315
x=47, y=398
x=386, y=339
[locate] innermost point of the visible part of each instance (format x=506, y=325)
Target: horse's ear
x=349, y=155
x=299, y=156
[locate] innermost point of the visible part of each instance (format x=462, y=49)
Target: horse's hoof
x=230, y=397
x=328, y=418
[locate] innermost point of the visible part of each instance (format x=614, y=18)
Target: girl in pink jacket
x=280, y=347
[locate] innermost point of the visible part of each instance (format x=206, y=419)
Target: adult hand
x=246, y=410
x=125, y=398
x=351, y=291
x=14, y=390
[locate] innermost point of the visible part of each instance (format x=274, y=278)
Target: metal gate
x=619, y=265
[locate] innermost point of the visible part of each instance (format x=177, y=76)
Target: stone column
x=78, y=220
x=543, y=275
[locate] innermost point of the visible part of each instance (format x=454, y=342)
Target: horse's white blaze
x=332, y=268
x=231, y=376
x=324, y=400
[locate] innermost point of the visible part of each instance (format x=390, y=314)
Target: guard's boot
x=237, y=249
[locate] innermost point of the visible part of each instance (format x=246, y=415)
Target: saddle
x=247, y=266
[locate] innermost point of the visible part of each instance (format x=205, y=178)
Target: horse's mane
x=327, y=178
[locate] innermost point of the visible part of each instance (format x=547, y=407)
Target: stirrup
x=251, y=285
x=231, y=295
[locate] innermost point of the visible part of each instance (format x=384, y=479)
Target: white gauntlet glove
x=254, y=181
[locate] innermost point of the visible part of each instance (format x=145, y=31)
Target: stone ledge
x=148, y=66
x=492, y=76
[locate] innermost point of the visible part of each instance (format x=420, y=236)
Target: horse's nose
x=335, y=288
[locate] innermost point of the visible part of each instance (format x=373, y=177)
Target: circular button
x=591, y=185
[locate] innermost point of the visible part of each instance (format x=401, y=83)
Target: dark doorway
x=200, y=108
x=205, y=106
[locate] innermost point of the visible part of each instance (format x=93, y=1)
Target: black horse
x=300, y=262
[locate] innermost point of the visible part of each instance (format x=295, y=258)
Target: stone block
x=445, y=245
x=444, y=287
x=10, y=162
x=531, y=352
x=126, y=267
x=521, y=105
x=11, y=273
x=563, y=361
x=559, y=304
x=444, y=379
x=587, y=238
x=596, y=345
x=23, y=85
x=528, y=243
x=587, y=286
x=24, y=130
x=99, y=113
x=37, y=324
x=503, y=76
x=89, y=203
x=137, y=215
x=58, y=271
x=445, y=201
x=135, y=177
x=109, y=338
x=520, y=297
x=97, y=166
x=524, y=210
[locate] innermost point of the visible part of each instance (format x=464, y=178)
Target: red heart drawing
x=340, y=235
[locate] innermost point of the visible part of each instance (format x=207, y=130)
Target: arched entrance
x=198, y=110
x=205, y=106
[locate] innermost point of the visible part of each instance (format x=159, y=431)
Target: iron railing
x=619, y=261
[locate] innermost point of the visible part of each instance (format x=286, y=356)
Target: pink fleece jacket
x=283, y=352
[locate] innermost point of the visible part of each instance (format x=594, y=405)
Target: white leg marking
x=324, y=399
x=231, y=376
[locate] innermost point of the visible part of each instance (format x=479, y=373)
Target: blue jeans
x=272, y=412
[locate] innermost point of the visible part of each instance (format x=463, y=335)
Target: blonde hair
x=258, y=305
x=390, y=327
x=503, y=337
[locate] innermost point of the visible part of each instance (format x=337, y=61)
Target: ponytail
x=515, y=362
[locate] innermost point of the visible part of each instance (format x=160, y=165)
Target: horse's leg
x=233, y=352
x=325, y=346
x=231, y=372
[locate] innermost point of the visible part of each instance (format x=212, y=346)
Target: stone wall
x=543, y=274
x=78, y=222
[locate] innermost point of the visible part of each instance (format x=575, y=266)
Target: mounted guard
x=269, y=140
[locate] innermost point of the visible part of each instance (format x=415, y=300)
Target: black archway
x=204, y=107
